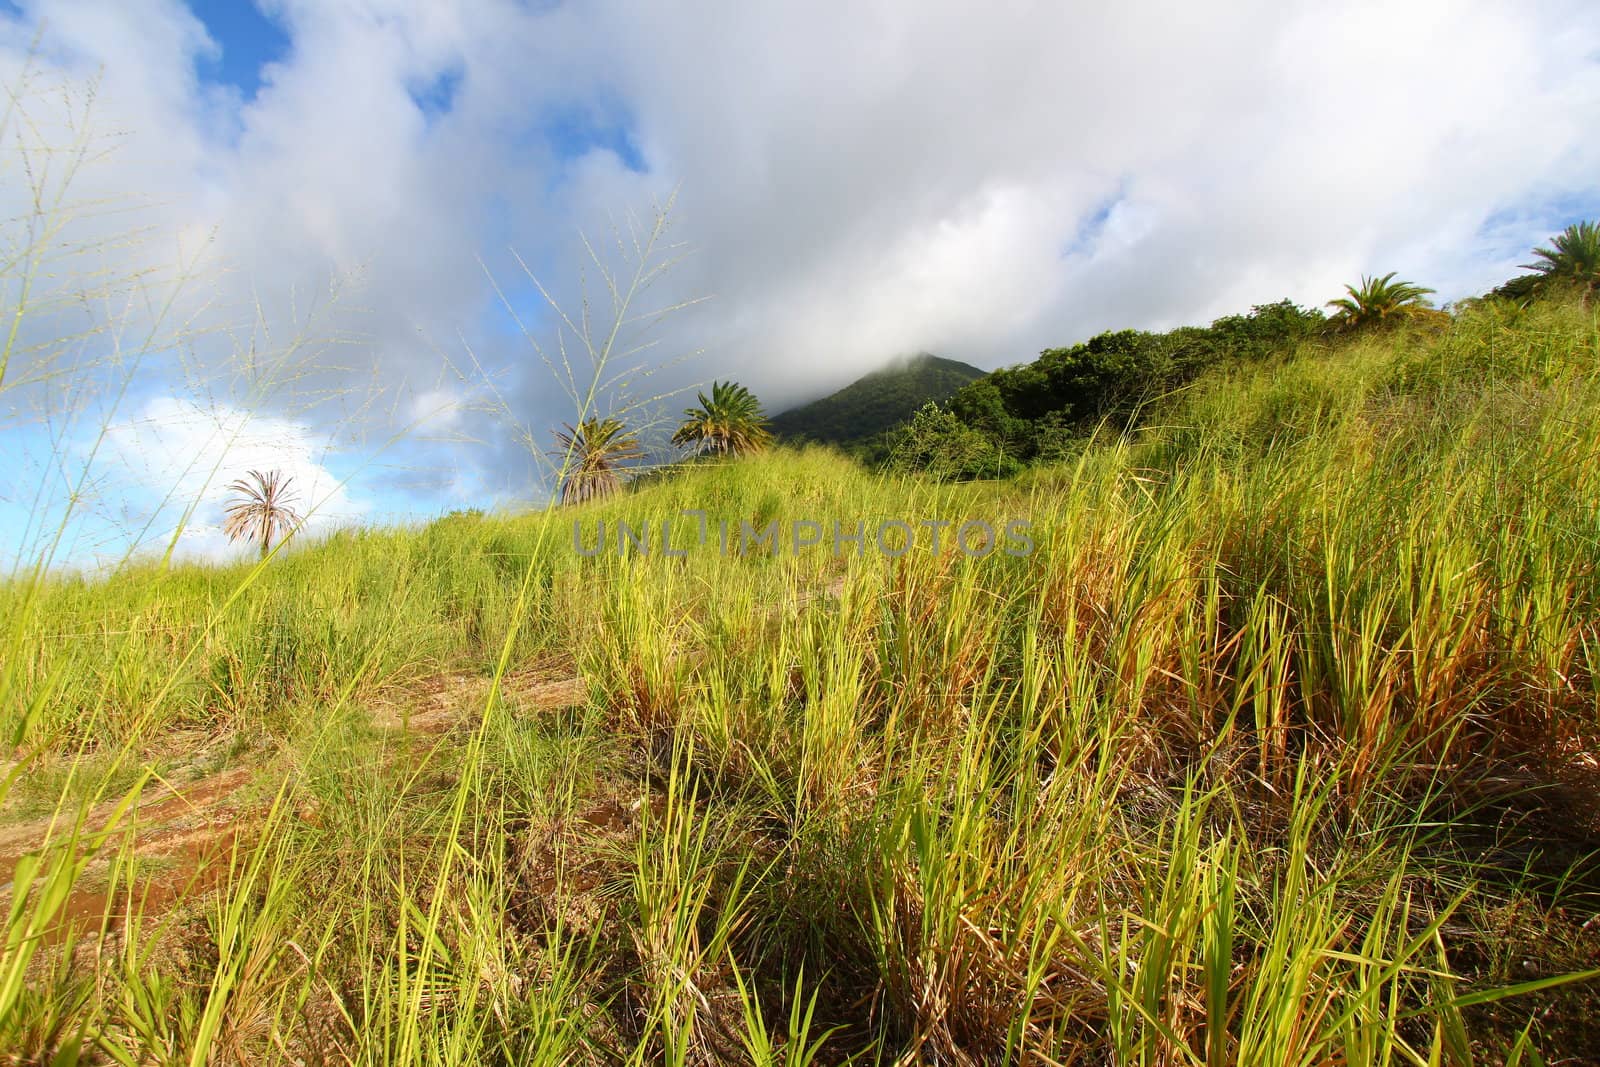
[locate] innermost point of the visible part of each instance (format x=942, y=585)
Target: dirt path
x=184, y=832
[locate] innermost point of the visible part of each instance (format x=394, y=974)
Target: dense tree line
x=1040, y=411
x=1035, y=411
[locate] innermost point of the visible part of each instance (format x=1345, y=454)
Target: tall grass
x=1272, y=751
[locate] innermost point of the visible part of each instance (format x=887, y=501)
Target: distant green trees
x=937, y=442
x=1570, y=266
x=1039, y=410
x=729, y=422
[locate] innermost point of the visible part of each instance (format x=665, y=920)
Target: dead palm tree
x=261, y=513
x=1378, y=302
x=592, y=454
x=728, y=423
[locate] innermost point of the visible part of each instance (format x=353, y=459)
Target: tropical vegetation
x=1378, y=302
x=1571, y=264
x=875, y=403
x=728, y=423
x=1276, y=748
x=591, y=458
x=1041, y=411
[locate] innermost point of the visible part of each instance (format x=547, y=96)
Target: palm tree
x=591, y=455
x=731, y=423
x=1378, y=302
x=1572, y=262
x=262, y=512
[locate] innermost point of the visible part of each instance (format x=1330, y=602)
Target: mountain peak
x=876, y=401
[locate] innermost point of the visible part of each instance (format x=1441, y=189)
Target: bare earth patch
x=184, y=833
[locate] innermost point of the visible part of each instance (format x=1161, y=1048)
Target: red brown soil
x=184, y=834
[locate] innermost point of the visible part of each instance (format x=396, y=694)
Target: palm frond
x=1570, y=264
x=729, y=422
x=592, y=455
x=1378, y=302
x=261, y=513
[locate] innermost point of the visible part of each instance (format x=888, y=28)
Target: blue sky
x=349, y=182
x=247, y=40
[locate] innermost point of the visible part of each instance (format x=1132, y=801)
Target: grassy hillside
x=876, y=402
x=1278, y=747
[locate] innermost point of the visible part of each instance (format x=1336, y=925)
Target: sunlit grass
x=1272, y=751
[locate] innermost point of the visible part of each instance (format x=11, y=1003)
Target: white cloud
x=858, y=181
x=438, y=411
x=176, y=457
